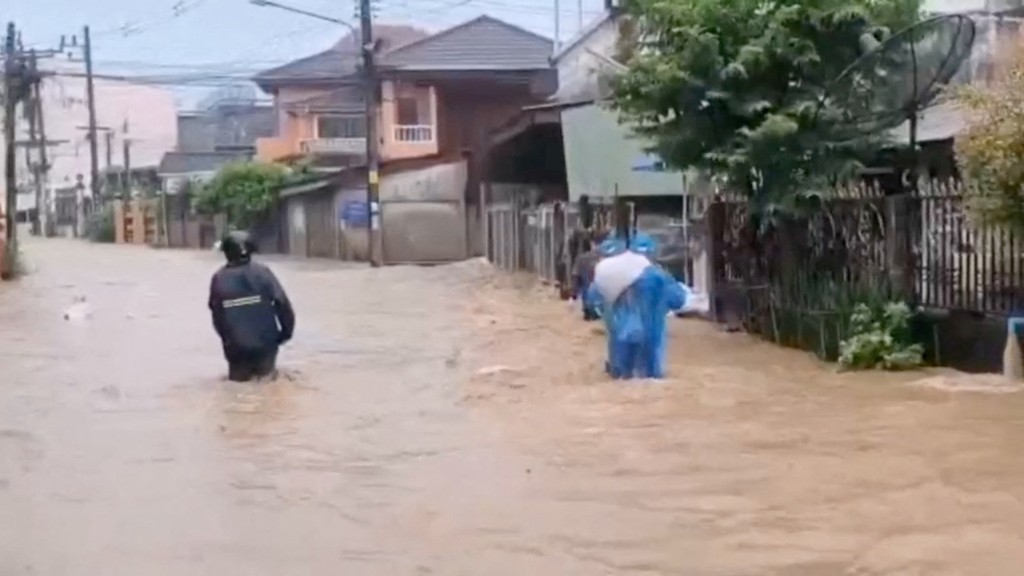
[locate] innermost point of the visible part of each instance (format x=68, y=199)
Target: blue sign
x=354, y=213
x=649, y=163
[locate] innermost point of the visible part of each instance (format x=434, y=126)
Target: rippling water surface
x=451, y=421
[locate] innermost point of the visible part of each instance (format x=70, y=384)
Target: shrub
x=100, y=227
x=880, y=339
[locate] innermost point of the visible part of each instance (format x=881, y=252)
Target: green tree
x=244, y=192
x=733, y=87
x=991, y=150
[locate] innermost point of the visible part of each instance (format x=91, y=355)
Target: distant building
x=224, y=129
x=142, y=115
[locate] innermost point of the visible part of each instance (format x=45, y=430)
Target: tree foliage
x=733, y=87
x=991, y=151
x=244, y=192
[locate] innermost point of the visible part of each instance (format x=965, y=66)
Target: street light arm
x=271, y=4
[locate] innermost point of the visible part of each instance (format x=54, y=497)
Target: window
x=341, y=127
x=408, y=111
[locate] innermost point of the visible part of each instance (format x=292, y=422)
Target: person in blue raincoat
x=635, y=320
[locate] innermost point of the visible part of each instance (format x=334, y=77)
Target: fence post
x=899, y=249
x=713, y=242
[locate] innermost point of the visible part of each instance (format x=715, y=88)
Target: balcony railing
x=414, y=133
x=334, y=146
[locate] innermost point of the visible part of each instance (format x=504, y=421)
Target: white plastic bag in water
x=695, y=303
x=79, y=310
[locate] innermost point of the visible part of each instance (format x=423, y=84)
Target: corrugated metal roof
x=484, y=43
x=193, y=162
x=935, y=123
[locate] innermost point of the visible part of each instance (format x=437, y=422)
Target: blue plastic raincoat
x=635, y=321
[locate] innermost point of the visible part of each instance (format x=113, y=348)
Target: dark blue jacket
x=251, y=312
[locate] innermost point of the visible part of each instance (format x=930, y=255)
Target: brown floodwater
x=453, y=421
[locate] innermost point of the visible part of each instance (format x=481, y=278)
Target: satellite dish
x=897, y=76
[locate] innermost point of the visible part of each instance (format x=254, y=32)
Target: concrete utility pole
x=94, y=158
x=371, y=85
x=27, y=88
x=126, y=153
x=34, y=112
x=10, y=94
x=109, y=138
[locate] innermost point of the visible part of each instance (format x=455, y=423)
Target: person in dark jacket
x=251, y=312
x=583, y=273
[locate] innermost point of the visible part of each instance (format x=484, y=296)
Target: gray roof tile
x=484, y=43
x=341, y=62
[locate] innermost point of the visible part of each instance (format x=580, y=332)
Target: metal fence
x=529, y=238
x=535, y=238
x=962, y=264
x=797, y=279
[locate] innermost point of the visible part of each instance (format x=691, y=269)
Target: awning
x=560, y=104
x=523, y=122
x=313, y=184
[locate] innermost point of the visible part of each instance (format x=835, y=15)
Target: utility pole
x=10, y=177
x=34, y=112
x=109, y=138
x=44, y=160
x=94, y=167
x=126, y=152
x=370, y=86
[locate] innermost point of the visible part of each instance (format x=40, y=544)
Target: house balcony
x=321, y=146
x=409, y=141
x=414, y=134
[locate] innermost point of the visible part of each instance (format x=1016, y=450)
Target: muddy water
x=442, y=421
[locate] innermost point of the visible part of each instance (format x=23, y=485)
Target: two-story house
x=440, y=95
x=320, y=105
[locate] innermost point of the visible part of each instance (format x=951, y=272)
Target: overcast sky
x=233, y=36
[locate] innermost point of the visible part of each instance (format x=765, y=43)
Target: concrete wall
x=423, y=214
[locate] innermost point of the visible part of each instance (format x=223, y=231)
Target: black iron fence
x=796, y=280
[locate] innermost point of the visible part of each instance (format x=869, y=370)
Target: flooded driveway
x=444, y=421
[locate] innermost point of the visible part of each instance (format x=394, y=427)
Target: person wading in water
x=583, y=273
x=251, y=312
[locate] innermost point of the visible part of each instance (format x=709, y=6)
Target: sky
x=193, y=45
x=233, y=38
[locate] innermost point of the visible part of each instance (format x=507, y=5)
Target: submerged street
x=454, y=421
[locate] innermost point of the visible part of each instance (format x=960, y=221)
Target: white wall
x=578, y=69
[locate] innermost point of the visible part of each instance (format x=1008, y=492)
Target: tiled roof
x=340, y=61
x=484, y=43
